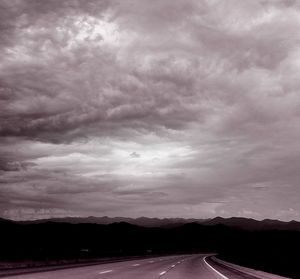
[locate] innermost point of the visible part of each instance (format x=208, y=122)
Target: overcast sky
x=158, y=108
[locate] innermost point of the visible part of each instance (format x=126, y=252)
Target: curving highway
x=168, y=267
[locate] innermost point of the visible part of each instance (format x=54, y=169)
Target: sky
x=161, y=108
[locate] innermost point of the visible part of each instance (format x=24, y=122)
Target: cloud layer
x=156, y=108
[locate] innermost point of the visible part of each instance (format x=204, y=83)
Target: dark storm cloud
x=185, y=108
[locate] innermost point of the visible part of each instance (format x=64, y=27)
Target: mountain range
x=233, y=222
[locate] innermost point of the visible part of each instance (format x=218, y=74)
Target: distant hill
x=233, y=222
x=252, y=224
x=141, y=221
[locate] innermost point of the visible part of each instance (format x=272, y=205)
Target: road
x=168, y=267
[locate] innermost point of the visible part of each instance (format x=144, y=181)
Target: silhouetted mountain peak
x=2, y=220
x=233, y=222
x=217, y=219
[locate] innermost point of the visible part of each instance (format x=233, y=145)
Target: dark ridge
x=236, y=222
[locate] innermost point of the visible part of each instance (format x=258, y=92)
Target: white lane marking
x=162, y=273
x=135, y=264
x=178, y=262
x=105, y=271
x=223, y=276
x=173, y=265
x=151, y=262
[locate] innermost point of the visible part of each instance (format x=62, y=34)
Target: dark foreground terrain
x=274, y=251
x=196, y=266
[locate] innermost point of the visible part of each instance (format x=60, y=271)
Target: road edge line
x=219, y=273
x=105, y=271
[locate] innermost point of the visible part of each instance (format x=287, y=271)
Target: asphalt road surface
x=168, y=267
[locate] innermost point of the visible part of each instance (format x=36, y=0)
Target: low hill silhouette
x=235, y=222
